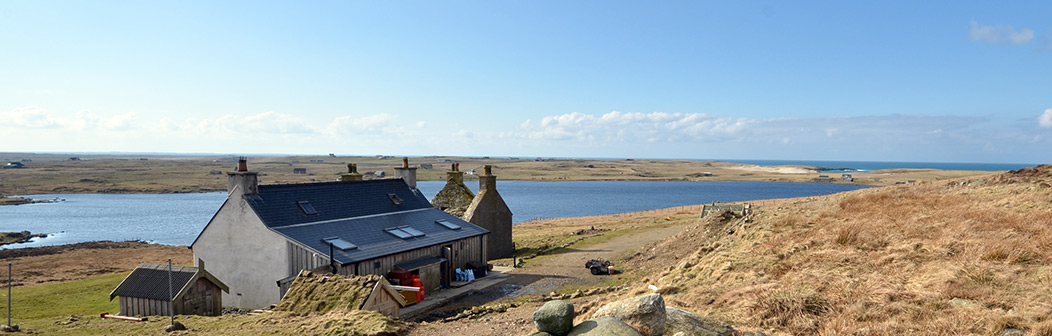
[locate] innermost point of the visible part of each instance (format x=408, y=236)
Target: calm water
x=878, y=165
x=176, y=219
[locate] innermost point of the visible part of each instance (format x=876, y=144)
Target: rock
x=9, y=328
x=644, y=313
x=681, y=321
x=958, y=302
x=1013, y=332
x=175, y=327
x=540, y=333
x=554, y=317
x=603, y=326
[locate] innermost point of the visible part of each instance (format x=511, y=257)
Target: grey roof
x=357, y=212
x=150, y=281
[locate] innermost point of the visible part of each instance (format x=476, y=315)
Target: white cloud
x=1045, y=120
x=618, y=127
x=999, y=34
x=33, y=117
x=29, y=117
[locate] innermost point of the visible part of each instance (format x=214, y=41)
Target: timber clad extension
x=264, y=235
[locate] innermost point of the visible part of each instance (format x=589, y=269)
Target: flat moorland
x=52, y=173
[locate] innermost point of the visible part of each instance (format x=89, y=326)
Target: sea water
x=177, y=219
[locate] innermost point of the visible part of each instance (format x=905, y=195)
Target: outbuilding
x=193, y=291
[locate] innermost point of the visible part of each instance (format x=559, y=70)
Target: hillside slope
x=967, y=256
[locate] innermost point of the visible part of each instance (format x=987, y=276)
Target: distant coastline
x=867, y=166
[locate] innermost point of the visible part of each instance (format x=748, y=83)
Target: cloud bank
x=999, y=34
x=625, y=127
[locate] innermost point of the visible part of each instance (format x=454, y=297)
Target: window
x=394, y=199
x=448, y=225
x=412, y=231
x=307, y=208
x=340, y=243
x=398, y=233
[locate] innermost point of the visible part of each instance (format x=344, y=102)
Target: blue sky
x=844, y=80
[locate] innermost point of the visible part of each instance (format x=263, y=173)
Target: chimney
x=406, y=173
x=455, y=174
x=352, y=173
x=487, y=181
x=242, y=181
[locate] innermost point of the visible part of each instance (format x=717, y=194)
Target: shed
x=145, y=291
x=320, y=293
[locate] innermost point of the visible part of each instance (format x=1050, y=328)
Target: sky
x=926, y=81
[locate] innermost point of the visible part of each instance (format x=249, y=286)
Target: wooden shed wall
x=133, y=306
x=381, y=300
x=203, y=298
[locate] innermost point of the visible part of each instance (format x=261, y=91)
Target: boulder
x=644, y=313
x=555, y=317
x=681, y=321
x=603, y=326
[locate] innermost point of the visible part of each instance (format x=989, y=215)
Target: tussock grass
x=960, y=257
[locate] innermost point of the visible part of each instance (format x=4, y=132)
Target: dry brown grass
x=887, y=261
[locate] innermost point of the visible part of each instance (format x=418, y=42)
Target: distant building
x=74, y=158
x=215, y=172
x=299, y=171
x=823, y=179
x=847, y=178
x=427, y=166
x=14, y=165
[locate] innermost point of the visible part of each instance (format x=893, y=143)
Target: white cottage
x=264, y=235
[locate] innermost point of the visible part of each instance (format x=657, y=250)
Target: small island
x=7, y=238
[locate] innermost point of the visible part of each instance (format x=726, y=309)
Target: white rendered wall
x=242, y=253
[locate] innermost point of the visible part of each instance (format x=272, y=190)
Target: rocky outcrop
x=554, y=317
x=644, y=313
x=603, y=326
x=681, y=321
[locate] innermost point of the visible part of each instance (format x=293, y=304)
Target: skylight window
x=340, y=243
x=399, y=233
x=448, y=225
x=412, y=231
x=307, y=208
x=394, y=199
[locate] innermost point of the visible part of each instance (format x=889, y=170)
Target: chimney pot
x=242, y=164
x=488, y=170
x=456, y=166
x=405, y=162
x=352, y=168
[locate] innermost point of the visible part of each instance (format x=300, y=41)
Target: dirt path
x=566, y=266
x=540, y=275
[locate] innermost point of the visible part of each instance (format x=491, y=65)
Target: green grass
x=81, y=297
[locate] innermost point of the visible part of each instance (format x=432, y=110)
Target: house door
x=447, y=266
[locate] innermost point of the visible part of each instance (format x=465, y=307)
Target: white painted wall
x=242, y=253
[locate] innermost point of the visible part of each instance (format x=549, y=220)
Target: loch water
x=176, y=219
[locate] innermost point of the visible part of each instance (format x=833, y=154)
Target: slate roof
x=357, y=212
x=150, y=281
x=277, y=205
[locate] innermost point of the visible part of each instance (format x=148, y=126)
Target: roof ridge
x=349, y=218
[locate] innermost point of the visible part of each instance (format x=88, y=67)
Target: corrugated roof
x=150, y=281
x=357, y=212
